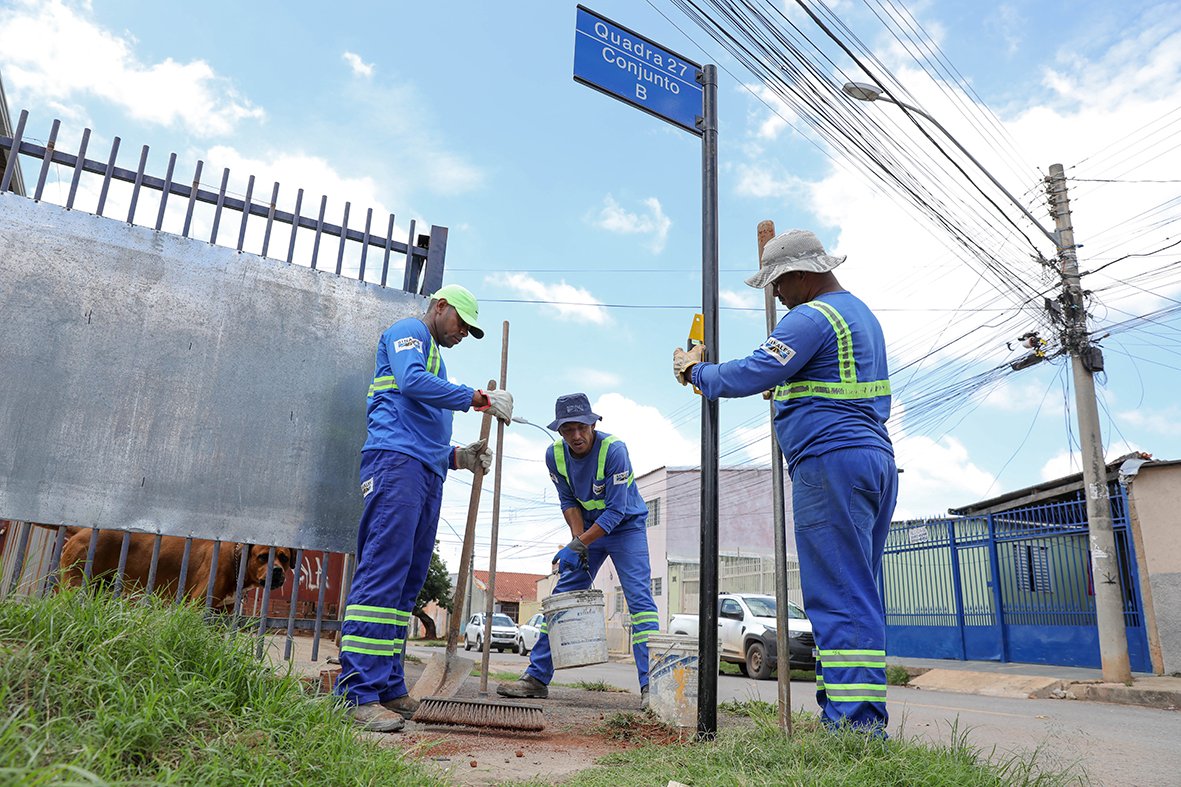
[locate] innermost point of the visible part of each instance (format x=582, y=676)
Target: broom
x=485, y=713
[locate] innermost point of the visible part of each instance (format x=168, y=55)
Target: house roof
x=1048, y=490
x=511, y=586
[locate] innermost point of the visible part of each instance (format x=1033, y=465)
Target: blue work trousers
x=843, y=502
x=394, y=547
x=628, y=551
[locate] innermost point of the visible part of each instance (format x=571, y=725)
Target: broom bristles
x=480, y=713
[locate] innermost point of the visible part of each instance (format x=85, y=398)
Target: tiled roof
x=511, y=586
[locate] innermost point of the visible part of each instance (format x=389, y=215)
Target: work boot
x=527, y=687
x=372, y=717
x=643, y=698
x=405, y=705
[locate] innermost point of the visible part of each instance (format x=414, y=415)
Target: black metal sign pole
x=707, y=643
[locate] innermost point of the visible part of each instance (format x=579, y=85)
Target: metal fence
x=737, y=574
x=1008, y=586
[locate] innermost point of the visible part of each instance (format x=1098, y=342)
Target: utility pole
x=1085, y=360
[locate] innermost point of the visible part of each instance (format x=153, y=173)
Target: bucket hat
x=798, y=250
x=573, y=407
x=465, y=304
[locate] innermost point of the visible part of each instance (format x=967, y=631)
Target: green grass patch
x=897, y=676
x=98, y=690
x=755, y=709
x=500, y=676
x=761, y=754
x=796, y=674
x=431, y=643
x=594, y=685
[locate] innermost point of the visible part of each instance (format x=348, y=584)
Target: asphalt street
x=1115, y=744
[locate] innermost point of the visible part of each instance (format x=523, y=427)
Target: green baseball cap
x=465, y=304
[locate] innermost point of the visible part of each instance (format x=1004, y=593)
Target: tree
x=437, y=588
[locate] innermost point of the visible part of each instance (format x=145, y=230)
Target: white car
x=530, y=631
x=504, y=633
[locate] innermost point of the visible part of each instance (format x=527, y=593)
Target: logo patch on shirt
x=366, y=487
x=407, y=343
x=553, y=477
x=620, y=479
x=777, y=350
x=598, y=488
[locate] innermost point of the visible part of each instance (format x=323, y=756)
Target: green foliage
x=897, y=676
x=98, y=690
x=595, y=685
x=438, y=584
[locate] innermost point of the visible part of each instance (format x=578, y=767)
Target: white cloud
x=360, y=67
x=938, y=474
x=652, y=441
x=58, y=53
x=613, y=217
x=595, y=378
x=565, y=300
x=1066, y=463
x=1162, y=423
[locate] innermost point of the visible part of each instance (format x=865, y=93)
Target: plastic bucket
x=673, y=665
x=577, y=628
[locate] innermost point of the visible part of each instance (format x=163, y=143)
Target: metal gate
x=1012, y=585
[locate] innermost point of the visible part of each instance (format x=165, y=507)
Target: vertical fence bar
x=365, y=245
x=344, y=236
x=997, y=594
x=245, y=212
x=165, y=191
x=957, y=587
x=139, y=181
x=102, y=194
x=263, y=618
x=124, y=545
x=320, y=605
x=46, y=159
x=14, y=151
x=294, y=603
x=79, y=165
x=53, y=575
x=294, y=225
x=192, y=198
x=213, y=561
x=18, y=563
x=88, y=567
x=221, y=201
x=155, y=564
x=410, y=276
x=389, y=239
x=242, y=556
x=436, y=251
x=319, y=229
x=266, y=235
x=184, y=570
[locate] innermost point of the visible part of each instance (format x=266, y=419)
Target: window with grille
x=619, y=600
x=1032, y=565
x=653, y=512
x=656, y=585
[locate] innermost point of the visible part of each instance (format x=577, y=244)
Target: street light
x=1085, y=360
x=520, y=420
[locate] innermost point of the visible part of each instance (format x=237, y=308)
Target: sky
x=578, y=219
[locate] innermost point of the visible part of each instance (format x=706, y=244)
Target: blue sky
x=577, y=218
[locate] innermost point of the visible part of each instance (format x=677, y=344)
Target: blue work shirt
x=410, y=401
x=821, y=403
x=600, y=484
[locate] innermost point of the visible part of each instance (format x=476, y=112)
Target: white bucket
x=673, y=665
x=577, y=628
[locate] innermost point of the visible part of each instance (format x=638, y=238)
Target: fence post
x=957, y=588
x=997, y=596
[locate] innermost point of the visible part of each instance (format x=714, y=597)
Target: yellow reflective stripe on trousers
x=873, y=659
x=371, y=646
x=645, y=617
x=388, y=383
x=560, y=464
x=856, y=692
x=640, y=636
x=369, y=614
x=847, y=387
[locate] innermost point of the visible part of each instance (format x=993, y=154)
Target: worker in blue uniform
x=608, y=519
x=403, y=463
x=825, y=364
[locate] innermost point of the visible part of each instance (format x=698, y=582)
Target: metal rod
x=139, y=181
x=88, y=568
x=245, y=212
x=389, y=239
x=192, y=198
x=18, y=563
x=214, y=558
x=266, y=603
x=294, y=224
x=184, y=570
x=78, y=170
x=14, y=152
x=344, y=227
x=55, y=557
x=122, y=568
x=165, y=190
x=410, y=275
x=325, y=557
x=365, y=245
x=45, y=159
x=319, y=230
x=294, y=603
x=266, y=235
x=154, y=564
x=102, y=194
x=221, y=201
x=242, y=555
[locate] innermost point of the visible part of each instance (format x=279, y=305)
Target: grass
x=897, y=676
x=500, y=676
x=95, y=690
x=760, y=754
x=796, y=674
x=594, y=685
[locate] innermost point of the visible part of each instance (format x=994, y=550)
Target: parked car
x=530, y=630
x=504, y=633
x=746, y=633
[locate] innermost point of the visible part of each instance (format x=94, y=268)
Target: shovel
x=446, y=672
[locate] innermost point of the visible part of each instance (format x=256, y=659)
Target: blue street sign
x=636, y=70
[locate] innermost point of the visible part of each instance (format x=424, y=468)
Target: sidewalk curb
x=1143, y=693
x=1117, y=693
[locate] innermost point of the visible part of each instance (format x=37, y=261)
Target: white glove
x=474, y=455
x=500, y=405
x=683, y=362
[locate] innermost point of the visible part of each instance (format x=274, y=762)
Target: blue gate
x=1012, y=585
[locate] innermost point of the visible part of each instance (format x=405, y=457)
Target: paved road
x=1115, y=744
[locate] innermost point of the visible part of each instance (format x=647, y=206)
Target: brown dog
x=172, y=549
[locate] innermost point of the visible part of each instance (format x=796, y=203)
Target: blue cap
x=573, y=407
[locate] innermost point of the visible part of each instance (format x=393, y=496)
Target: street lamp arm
x=864, y=92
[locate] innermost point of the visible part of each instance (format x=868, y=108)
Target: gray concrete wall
x=156, y=383
x=1157, y=495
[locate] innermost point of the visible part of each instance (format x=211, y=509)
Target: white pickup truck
x=746, y=633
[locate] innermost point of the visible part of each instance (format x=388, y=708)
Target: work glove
x=571, y=557
x=500, y=405
x=685, y=360
x=474, y=455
